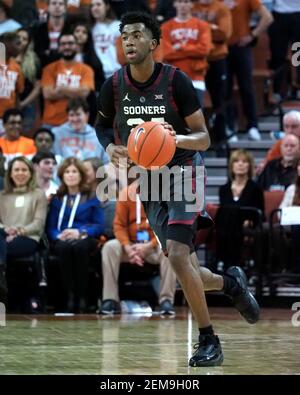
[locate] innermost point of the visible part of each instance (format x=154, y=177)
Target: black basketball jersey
x=154, y=103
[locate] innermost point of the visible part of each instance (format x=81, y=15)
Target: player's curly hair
x=141, y=17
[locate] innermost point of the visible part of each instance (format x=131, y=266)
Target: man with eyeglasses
x=63, y=80
x=12, y=143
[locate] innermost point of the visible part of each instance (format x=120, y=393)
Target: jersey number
x=132, y=122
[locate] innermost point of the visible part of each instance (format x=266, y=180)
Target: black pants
x=216, y=82
x=74, y=257
x=240, y=64
x=19, y=247
x=284, y=31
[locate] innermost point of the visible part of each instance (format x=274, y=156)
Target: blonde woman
x=239, y=191
x=23, y=210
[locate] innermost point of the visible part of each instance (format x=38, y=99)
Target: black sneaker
x=110, y=306
x=242, y=298
x=166, y=308
x=208, y=352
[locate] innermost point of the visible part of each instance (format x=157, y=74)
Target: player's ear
x=153, y=44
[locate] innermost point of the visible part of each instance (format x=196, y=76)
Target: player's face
x=137, y=42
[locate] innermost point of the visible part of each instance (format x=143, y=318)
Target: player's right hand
x=117, y=154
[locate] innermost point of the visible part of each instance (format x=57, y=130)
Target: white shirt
x=104, y=37
x=51, y=190
x=286, y=6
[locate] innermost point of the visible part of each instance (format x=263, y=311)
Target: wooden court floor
x=91, y=344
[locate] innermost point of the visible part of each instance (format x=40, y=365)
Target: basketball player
x=145, y=87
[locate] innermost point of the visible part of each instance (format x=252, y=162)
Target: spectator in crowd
x=291, y=125
x=11, y=76
x=135, y=243
x=7, y=25
x=30, y=66
x=91, y=167
x=75, y=222
x=186, y=43
x=240, y=191
x=44, y=139
x=240, y=60
x=76, y=137
x=219, y=17
x=284, y=31
x=44, y=165
x=86, y=52
x=105, y=31
x=46, y=34
x=12, y=143
x=64, y=80
x=292, y=198
x=23, y=210
x=280, y=173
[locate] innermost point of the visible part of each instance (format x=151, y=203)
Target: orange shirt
x=193, y=40
x=125, y=226
x=59, y=74
x=157, y=53
x=11, y=83
x=23, y=146
x=241, y=11
x=216, y=13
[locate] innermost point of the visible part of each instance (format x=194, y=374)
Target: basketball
x=151, y=145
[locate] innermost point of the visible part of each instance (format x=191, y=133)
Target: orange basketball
x=150, y=144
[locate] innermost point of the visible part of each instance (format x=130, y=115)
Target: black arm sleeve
x=106, y=114
x=185, y=95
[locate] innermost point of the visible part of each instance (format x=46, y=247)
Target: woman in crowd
x=239, y=191
x=105, y=31
x=31, y=68
x=75, y=222
x=23, y=210
x=292, y=198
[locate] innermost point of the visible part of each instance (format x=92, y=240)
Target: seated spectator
x=240, y=191
x=63, y=80
x=31, y=69
x=23, y=210
x=44, y=164
x=13, y=144
x=292, y=198
x=11, y=76
x=291, y=125
x=91, y=167
x=75, y=223
x=76, y=137
x=7, y=25
x=135, y=243
x=280, y=173
x=44, y=139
